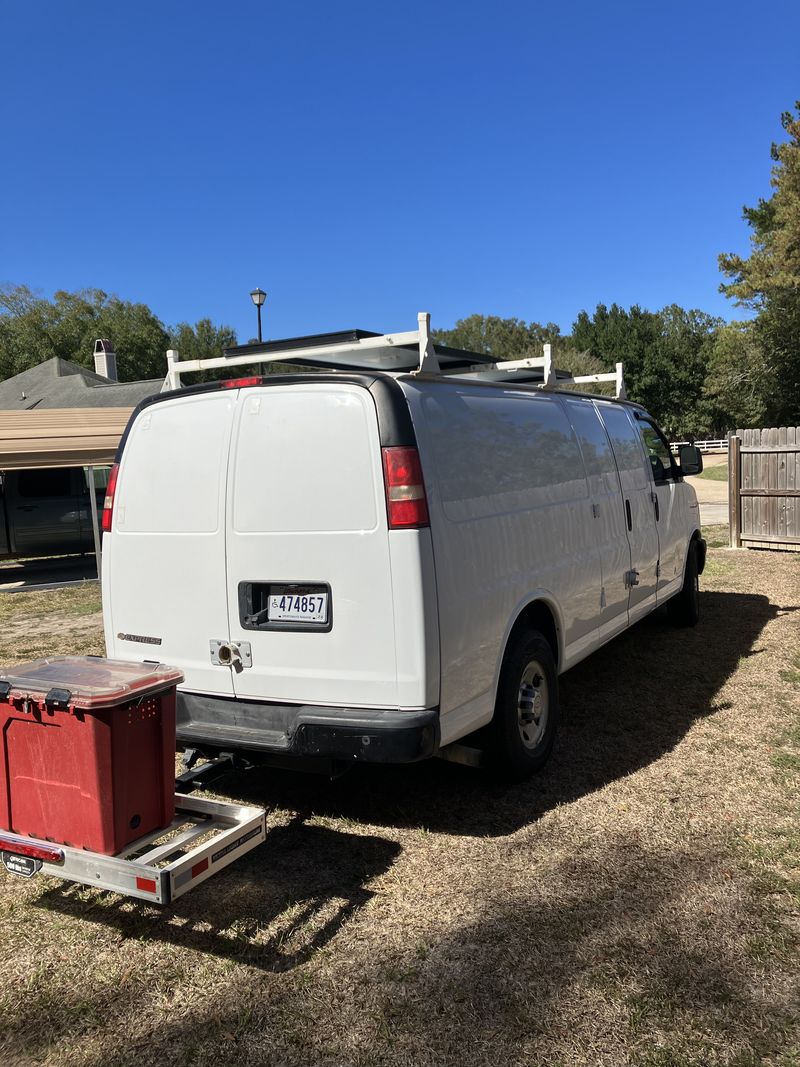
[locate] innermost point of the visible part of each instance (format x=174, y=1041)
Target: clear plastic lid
x=90, y=680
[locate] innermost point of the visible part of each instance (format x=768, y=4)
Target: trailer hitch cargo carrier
x=204, y=837
x=87, y=789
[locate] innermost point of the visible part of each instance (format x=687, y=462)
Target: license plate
x=298, y=607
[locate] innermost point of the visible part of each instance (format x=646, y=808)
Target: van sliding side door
x=637, y=504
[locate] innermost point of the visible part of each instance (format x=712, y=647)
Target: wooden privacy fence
x=764, y=488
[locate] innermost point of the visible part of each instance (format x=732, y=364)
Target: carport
x=63, y=437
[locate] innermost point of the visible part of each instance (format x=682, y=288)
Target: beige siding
x=69, y=437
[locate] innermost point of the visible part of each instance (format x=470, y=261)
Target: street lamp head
x=258, y=296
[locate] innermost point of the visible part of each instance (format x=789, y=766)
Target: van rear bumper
x=365, y=735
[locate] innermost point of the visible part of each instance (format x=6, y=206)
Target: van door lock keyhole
x=236, y=654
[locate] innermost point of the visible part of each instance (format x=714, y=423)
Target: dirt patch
x=51, y=622
x=637, y=903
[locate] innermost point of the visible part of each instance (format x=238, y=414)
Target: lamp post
x=258, y=296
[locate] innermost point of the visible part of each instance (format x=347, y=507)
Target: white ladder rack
x=409, y=352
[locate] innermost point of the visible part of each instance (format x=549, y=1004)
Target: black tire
x=520, y=740
x=684, y=608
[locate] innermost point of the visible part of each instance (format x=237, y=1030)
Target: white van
x=371, y=565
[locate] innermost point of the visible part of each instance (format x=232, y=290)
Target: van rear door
x=309, y=575
x=164, y=563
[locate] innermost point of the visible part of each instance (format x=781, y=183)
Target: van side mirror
x=691, y=459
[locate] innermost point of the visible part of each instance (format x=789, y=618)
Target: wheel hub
x=532, y=705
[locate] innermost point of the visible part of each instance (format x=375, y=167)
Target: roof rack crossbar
x=394, y=352
x=176, y=367
x=540, y=371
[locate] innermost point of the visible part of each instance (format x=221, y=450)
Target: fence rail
x=718, y=444
x=764, y=488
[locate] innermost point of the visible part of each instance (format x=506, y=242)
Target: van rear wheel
x=526, y=713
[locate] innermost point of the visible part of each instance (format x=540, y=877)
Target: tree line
x=697, y=374
x=34, y=329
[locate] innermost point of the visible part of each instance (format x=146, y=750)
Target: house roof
x=59, y=383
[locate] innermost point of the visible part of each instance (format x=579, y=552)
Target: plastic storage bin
x=88, y=750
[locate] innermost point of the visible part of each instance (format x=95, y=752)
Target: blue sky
x=363, y=161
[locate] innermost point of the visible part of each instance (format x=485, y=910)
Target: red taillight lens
x=34, y=849
x=241, y=383
x=405, y=491
x=108, y=503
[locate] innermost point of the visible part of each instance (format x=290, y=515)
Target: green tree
x=768, y=280
x=34, y=329
x=736, y=386
x=498, y=337
x=204, y=340
x=665, y=355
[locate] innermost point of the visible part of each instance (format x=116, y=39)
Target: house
x=59, y=383
x=54, y=418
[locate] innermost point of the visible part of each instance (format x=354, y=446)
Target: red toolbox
x=88, y=750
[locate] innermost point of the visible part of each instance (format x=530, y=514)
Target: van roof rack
x=409, y=352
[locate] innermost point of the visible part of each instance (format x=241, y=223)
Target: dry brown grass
x=638, y=903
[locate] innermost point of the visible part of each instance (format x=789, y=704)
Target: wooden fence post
x=734, y=484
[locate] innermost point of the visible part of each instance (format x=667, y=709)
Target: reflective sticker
x=199, y=867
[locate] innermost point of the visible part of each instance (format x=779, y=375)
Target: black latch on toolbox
x=5, y=689
x=58, y=699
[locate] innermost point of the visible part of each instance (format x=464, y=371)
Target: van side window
x=657, y=451
x=44, y=483
x=597, y=456
x=100, y=478
x=627, y=446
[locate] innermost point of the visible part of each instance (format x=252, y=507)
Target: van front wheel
x=684, y=607
x=526, y=713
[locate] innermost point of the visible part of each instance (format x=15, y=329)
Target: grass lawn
x=718, y=473
x=638, y=903
x=717, y=536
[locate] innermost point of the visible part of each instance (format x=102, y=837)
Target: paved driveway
x=711, y=496
x=52, y=573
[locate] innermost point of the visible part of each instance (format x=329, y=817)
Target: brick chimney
x=105, y=359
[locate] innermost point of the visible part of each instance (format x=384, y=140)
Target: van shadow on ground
x=272, y=909
x=622, y=708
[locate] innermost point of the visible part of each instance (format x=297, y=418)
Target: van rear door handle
x=26, y=507
x=628, y=514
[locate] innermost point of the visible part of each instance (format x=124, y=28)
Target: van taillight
x=405, y=491
x=241, y=383
x=108, y=503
